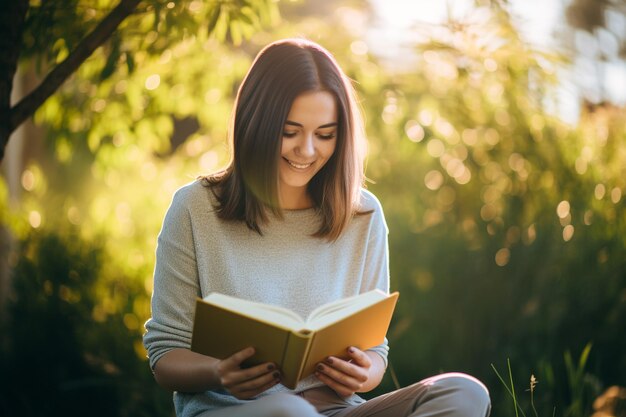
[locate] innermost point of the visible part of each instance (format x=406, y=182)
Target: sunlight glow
x=400, y=24
x=616, y=195
x=426, y=117
x=73, y=215
x=433, y=180
x=153, y=81
x=414, y=131
x=98, y=105
x=562, y=210
x=503, y=256
x=34, y=218
x=209, y=160
x=359, y=48
x=530, y=235
x=28, y=180
x=470, y=137
x=435, y=148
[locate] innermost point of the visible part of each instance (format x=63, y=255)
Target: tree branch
x=11, y=24
x=29, y=104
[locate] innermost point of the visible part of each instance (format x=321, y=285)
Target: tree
x=597, y=41
x=53, y=32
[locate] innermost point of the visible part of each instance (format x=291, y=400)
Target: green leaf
x=93, y=140
x=221, y=27
x=157, y=17
x=112, y=60
x=130, y=62
x=244, y=15
x=213, y=18
x=584, y=356
x=235, y=32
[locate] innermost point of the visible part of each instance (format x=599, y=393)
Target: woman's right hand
x=248, y=382
x=185, y=371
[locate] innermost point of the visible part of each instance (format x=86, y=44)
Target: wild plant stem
x=508, y=390
x=394, y=377
x=508, y=362
x=532, y=403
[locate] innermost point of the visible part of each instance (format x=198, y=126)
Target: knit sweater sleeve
x=176, y=284
x=376, y=268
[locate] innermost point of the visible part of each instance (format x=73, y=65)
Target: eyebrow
x=291, y=123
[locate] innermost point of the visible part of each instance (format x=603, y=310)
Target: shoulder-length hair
x=248, y=187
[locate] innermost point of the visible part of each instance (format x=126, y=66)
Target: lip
x=298, y=165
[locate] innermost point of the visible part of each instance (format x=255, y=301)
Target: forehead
x=314, y=108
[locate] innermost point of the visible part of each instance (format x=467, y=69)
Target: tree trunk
x=12, y=24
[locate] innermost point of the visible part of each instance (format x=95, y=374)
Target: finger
x=257, y=383
x=238, y=376
x=359, y=357
x=340, y=389
x=348, y=368
x=253, y=393
x=347, y=380
x=235, y=360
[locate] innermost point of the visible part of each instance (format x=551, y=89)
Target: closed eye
x=326, y=136
x=289, y=134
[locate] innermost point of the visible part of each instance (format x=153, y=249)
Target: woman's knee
x=466, y=389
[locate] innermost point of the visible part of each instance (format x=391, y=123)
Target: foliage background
x=507, y=227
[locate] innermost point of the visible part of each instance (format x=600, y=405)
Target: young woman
x=286, y=223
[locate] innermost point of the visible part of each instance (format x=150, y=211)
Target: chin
x=297, y=183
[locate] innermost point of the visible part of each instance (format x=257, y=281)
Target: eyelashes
x=327, y=136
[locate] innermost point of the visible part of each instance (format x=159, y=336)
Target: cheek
x=284, y=148
x=329, y=149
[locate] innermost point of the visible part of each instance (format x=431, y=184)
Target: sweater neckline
x=297, y=215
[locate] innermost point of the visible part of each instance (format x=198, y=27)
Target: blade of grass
x=394, y=377
x=508, y=390
x=508, y=362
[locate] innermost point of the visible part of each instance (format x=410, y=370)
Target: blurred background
x=497, y=146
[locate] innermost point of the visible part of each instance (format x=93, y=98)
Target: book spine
x=296, y=351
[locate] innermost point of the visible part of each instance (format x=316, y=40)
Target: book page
x=328, y=313
x=264, y=312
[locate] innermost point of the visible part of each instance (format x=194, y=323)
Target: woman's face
x=309, y=140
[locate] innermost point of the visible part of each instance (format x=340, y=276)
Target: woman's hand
x=362, y=372
x=249, y=382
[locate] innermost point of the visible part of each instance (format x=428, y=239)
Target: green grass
x=577, y=384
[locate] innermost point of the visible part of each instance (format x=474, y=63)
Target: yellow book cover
x=224, y=325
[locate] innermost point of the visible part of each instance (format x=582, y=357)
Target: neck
x=295, y=199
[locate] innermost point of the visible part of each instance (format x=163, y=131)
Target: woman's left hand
x=347, y=377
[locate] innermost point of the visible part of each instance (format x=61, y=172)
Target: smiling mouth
x=296, y=165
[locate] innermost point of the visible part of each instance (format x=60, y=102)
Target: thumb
x=235, y=360
x=359, y=357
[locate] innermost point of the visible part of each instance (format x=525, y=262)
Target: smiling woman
x=288, y=224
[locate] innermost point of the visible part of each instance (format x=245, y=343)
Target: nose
x=306, y=147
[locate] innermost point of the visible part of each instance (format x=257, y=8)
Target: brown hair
x=249, y=185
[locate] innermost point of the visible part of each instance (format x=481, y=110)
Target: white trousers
x=445, y=395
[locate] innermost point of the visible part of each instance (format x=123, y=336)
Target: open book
x=224, y=325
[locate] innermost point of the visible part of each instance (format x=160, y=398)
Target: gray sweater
x=197, y=253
